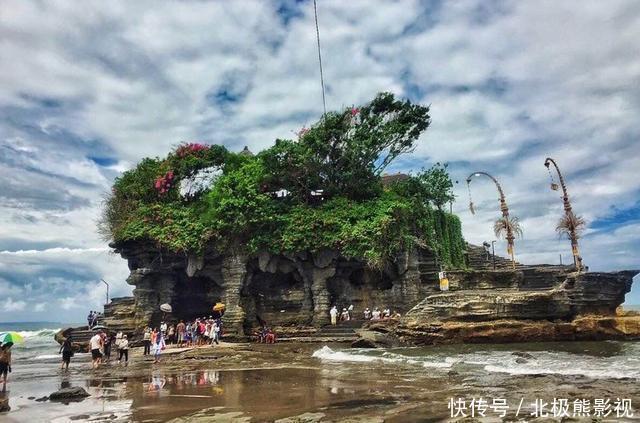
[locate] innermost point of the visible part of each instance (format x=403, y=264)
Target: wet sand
x=248, y=382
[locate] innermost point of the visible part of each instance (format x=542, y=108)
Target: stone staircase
x=477, y=259
x=342, y=332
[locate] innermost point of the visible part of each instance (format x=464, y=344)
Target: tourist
x=95, y=344
x=119, y=336
x=386, y=313
x=108, y=344
x=345, y=315
x=67, y=352
x=124, y=350
x=180, y=329
x=367, y=314
x=396, y=315
x=158, y=347
x=163, y=328
x=216, y=332
x=188, y=337
x=90, y=319
x=375, y=315
x=154, y=336
x=208, y=332
x=334, y=315
x=350, y=310
x=172, y=334
x=146, y=341
x=94, y=320
x=5, y=363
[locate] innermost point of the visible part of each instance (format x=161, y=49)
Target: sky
x=87, y=89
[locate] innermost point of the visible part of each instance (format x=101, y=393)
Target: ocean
x=38, y=339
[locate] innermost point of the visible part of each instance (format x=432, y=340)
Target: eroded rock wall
x=282, y=290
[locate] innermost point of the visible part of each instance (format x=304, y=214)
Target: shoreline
x=241, y=382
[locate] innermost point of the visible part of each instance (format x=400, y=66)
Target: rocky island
x=283, y=235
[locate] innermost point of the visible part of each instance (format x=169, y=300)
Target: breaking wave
x=355, y=356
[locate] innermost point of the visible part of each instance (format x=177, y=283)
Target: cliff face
x=529, y=304
x=294, y=290
x=297, y=291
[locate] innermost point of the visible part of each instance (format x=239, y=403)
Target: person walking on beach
x=146, y=341
x=95, y=344
x=5, y=363
x=67, y=352
x=334, y=315
x=124, y=350
x=158, y=347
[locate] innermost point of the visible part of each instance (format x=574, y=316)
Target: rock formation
x=528, y=304
x=295, y=292
x=288, y=291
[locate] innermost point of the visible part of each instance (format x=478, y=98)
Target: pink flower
x=354, y=111
x=303, y=132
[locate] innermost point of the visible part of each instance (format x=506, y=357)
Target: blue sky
x=88, y=88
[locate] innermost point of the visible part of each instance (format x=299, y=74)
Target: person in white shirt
x=334, y=315
x=163, y=328
x=376, y=314
x=367, y=314
x=124, y=350
x=95, y=344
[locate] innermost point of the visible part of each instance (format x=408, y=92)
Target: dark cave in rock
x=194, y=296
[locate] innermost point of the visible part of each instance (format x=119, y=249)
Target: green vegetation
x=323, y=190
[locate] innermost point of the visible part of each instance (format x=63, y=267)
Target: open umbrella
x=166, y=308
x=10, y=337
x=99, y=327
x=219, y=307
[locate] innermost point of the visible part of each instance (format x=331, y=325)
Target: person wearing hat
x=124, y=350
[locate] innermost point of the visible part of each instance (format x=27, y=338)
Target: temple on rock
x=282, y=235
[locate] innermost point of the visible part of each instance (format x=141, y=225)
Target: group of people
x=376, y=314
x=347, y=314
x=92, y=318
x=100, y=345
x=201, y=331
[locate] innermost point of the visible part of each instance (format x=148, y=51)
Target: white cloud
x=10, y=305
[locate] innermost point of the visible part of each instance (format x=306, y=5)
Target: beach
x=242, y=382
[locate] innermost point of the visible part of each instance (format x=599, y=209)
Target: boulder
x=4, y=405
x=70, y=393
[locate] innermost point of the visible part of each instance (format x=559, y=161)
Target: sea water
x=39, y=343
x=597, y=360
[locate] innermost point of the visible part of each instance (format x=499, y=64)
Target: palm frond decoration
x=570, y=223
x=502, y=225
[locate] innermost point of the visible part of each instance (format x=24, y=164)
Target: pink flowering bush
x=164, y=183
x=190, y=148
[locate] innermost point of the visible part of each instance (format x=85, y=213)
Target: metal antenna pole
x=315, y=12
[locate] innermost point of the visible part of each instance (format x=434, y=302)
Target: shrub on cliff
x=322, y=190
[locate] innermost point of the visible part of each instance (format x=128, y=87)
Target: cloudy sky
x=89, y=88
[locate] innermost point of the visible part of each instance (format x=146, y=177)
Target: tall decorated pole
x=570, y=224
x=506, y=225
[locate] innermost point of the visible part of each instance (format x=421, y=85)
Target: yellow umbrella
x=219, y=307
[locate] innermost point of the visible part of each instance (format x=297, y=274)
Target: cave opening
x=195, y=297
